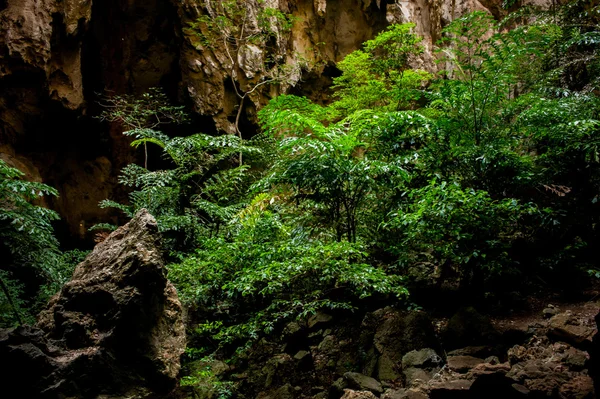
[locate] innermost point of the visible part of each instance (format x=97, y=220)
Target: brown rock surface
x=115, y=328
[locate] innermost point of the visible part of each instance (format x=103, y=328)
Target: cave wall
x=58, y=56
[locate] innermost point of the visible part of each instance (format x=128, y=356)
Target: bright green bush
x=269, y=272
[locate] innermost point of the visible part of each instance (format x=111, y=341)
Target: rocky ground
x=116, y=330
x=394, y=354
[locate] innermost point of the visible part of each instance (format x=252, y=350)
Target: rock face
x=115, y=329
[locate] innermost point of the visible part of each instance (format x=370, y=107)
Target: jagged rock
x=319, y=319
x=424, y=358
x=116, y=326
x=579, y=387
x=389, y=334
x=544, y=369
x=277, y=369
x=419, y=366
x=350, y=394
x=567, y=328
x=363, y=383
x=576, y=359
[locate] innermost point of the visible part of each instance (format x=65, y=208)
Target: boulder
x=419, y=366
x=363, y=383
x=568, y=328
x=424, y=358
x=319, y=319
x=115, y=328
x=388, y=334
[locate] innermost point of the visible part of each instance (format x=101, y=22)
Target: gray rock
x=362, y=382
x=416, y=376
x=319, y=319
x=115, y=328
x=387, y=369
x=549, y=312
x=391, y=334
x=424, y=358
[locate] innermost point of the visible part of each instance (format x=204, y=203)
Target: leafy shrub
x=28, y=242
x=269, y=272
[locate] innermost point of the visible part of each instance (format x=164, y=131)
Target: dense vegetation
x=476, y=182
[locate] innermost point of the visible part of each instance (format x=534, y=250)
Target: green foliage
x=28, y=245
x=149, y=110
x=444, y=224
x=193, y=194
x=485, y=173
x=270, y=271
x=496, y=130
x=378, y=76
x=204, y=382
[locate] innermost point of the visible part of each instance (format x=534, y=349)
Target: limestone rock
x=116, y=326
